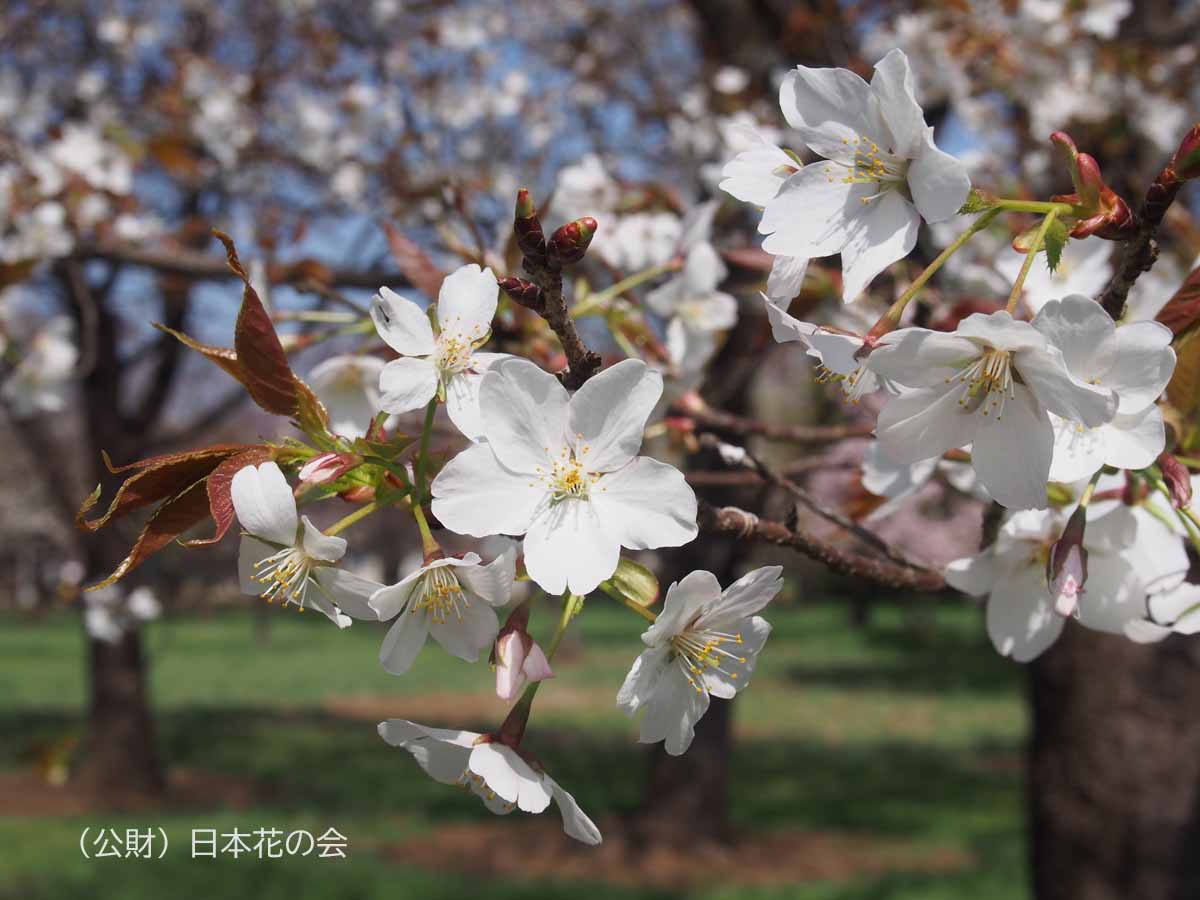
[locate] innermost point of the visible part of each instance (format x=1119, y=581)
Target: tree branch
x=730, y=520
x=718, y=420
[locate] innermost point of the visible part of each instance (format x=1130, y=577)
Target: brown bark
x=1114, y=769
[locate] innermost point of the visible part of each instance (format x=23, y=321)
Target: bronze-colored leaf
x=170, y=520
x=225, y=357
x=1183, y=309
x=157, y=478
x=1184, y=390
x=220, y=496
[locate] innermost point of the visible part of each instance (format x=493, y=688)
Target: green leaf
x=634, y=582
x=976, y=203
x=1056, y=239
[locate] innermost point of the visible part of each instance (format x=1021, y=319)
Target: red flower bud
x=1103, y=213
x=1186, y=161
x=524, y=292
x=569, y=243
x=1178, y=480
x=528, y=230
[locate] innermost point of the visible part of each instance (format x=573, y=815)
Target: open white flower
x=1135, y=360
x=564, y=471
x=349, y=387
x=882, y=174
x=286, y=558
x=494, y=772
x=695, y=310
x=452, y=599
x=1126, y=555
x=899, y=481
x=41, y=380
x=444, y=364
x=991, y=384
x=705, y=642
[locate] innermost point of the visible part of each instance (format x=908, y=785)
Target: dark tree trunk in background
x=1114, y=769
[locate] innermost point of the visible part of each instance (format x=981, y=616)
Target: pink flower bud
x=1066, y=568
x=518, y=658
x=1101, y=211
x=327, y=467
x=568, y=244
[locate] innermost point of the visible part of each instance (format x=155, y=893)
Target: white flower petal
x=403, y=642
x=1083, y=332
x=524, y=414
x=893, y=85
x=567, y=547
x=646, y=504
x=1021, y=620
x=924, y=423
x=263, y=501
x=607, y=416
x=442, y=753
x=938, y=182
x=755, y=175
x=920, y=358
x=493, y=583
x=576, y=824
x=1012, y=452
x=251, y=551
x=1135, y=440
x=1046, y=375
x=474, y=494
x=685, y=598
x=402, y=324
x=743, y=598
x=1144, y=365
x=472, y=630
x=831, y=109
x=317, y=545
x=352, y=593
x=809, y=217
x=786, y=278
x=642, y=679
x=785, y=327
x=467, y=302
x=509, y=776
x=672, y=714
x=406, y=384
x=974, y=575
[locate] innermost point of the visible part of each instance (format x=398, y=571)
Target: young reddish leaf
x=1183, y=309
x=1184, y=389
x=220, y=497
x=157, y=478
x=414, y=262
x=225, y=357
x=170, y=520
x=266, y=372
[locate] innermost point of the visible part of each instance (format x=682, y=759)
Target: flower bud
x=528, y=230
x=523, y=292
x=1104, y=214
x=1186, y=161
x=517, y=657
x=1066, y=568
x=569, y=243
x=1178, y=480
x=328, y=467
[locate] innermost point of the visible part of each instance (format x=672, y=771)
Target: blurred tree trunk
x=1114, y=769
x=119, y=756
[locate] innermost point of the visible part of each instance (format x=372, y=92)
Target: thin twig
x=798, y=434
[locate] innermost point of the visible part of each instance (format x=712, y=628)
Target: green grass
x=906, y=730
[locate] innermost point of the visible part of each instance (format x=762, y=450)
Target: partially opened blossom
x=693, y=307
x=285, y=557
x=756, y=176
x=518, y=658
x=446, y=363
x=1173, y=611
x=1128, y=553
x=993, y=384
x=452, y=599
x=705, y=642
x=495, y=772
x=836, y=351
x=881, y=176
x=349, y=388
x=564, y=471
x=1135, y=360
x=41, y=380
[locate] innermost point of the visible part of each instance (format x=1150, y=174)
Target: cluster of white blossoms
x=1001, y=406
x=559, y=470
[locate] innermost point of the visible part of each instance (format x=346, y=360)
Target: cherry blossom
x=882, y=175
x=445, y=364
x=41, y=380
x=696, y=311
x=452, y=599
x=285, y=557
x=496, y=773
x=1134, y=360
x=705, y=642
x=563, y=471
x=349, y=388
x=993, y=384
